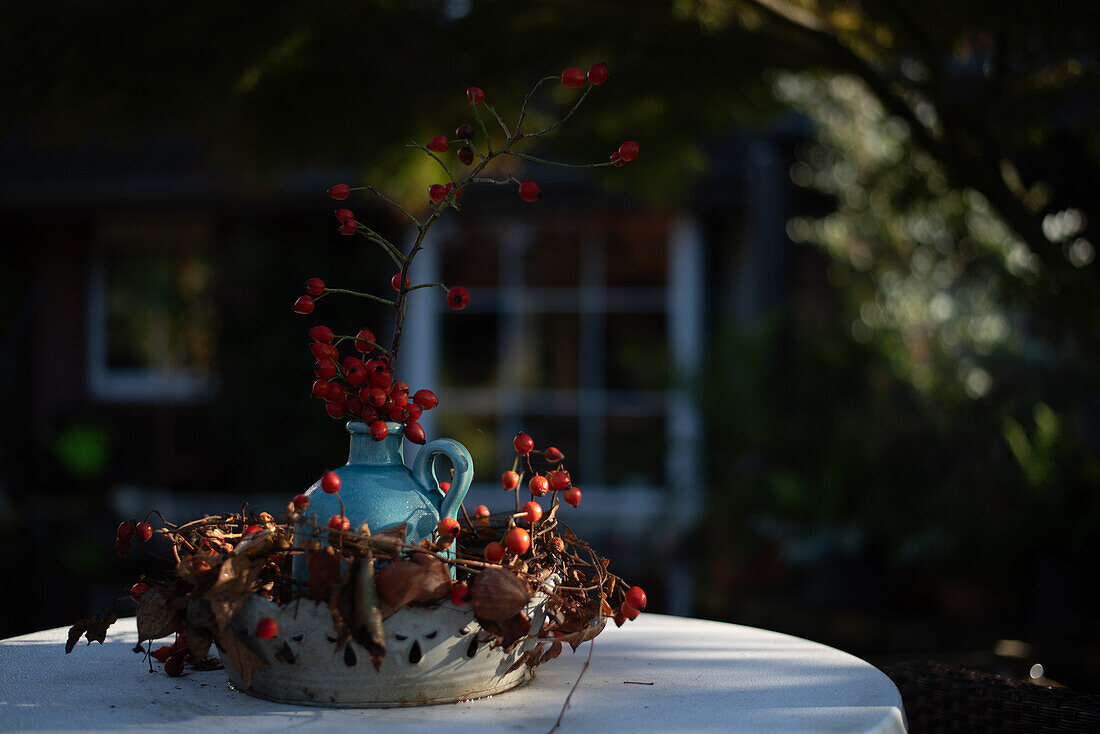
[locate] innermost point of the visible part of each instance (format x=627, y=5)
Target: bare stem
x=389, y=201
x=346, y=292
x=500, y=119
x=559, y=164
x=564, y=706
x=347, y=337
x=568, y=114
x=438, y=160
x=523, y=109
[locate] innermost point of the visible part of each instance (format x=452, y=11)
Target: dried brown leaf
x=367, y=614
x=398, y=583
x=324, y=569
x=509, y=631
x=552, y=652
x=246, y=660
x=74, y=634
x=199, y=614
x=498, y=595
x=97, y=626
x=525, y=658
x=236, y=577
x=389, y=540
x=576, y=639
x=155, y=616
x=340, y=608
x=199, y=640
x=435, y=582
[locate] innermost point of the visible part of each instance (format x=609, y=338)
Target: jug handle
x=463, y=467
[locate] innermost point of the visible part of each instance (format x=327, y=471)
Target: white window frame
x=632, y=509
x=113, y=384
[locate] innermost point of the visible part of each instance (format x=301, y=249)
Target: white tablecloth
x=705, y=676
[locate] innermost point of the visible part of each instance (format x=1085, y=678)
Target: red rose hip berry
x=554, y=455
x=559, y=481
x=466, y=155
x=635, y=597
x=573, y=78
x=529, y=191
x=448, y=527
x=321, y=334
x=438, y=144
x=509, y=480
x=349, y=227
x=494, y=552
x=460, y=594
x=426, y=399
x=303, y=305
x=339, y=522
x=379, y=431
x=125, y=532
x=597, y=75
x=173, y=666
x=539, y=485
x=267, y=628
x=138, y=589
x=572, y=496
x=518, y=541
x=458, y=298
x=475, y=95
x=339, y=192
x=330, y=482
x=364, y=341
x=523, y=443
x=414, y=432
x=533, y=511
x=326, y=369
x=315, y=286
x=628, y=151
x=300, y=501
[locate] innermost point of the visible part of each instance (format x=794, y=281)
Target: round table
x=656, y=674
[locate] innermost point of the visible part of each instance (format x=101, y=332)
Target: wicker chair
x=939, y=698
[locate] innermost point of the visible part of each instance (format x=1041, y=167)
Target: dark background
x=896, y=389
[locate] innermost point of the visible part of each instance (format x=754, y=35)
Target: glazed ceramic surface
x=376, y=486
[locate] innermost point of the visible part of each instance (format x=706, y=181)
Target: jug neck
x=365, y=450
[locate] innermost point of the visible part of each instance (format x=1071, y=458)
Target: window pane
x=553, y=259
x=551, y=351
x=470, y=258
x=637, y=352
x=469, y=356
x=637, y=251
x=635, y=452
x=159, y=314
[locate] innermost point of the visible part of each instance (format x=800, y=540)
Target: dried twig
x=564, y=706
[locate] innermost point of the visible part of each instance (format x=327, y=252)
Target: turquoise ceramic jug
x=379, y=489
